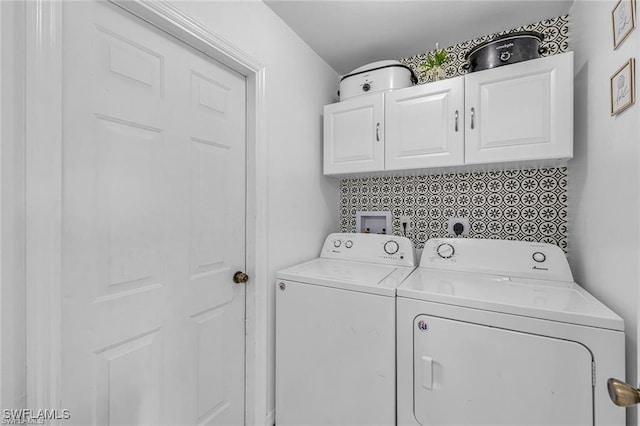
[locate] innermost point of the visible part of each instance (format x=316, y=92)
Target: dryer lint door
x=474, y=374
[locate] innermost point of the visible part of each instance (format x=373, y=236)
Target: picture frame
x=623, y=21
x=622, y=86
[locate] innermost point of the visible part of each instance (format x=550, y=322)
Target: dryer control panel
x=497, y=257
x=374, y=248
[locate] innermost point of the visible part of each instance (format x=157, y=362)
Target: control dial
x=445, y=250
x=539, y=257
x=348, y=244
x=337, y=243
x=391, y=247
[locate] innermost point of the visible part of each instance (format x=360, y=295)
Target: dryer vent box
x=373, y=222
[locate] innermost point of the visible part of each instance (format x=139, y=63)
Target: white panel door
x=354, y=135
x=424, y=125
x=470, y=374
x=153, y=226
x=519, y=112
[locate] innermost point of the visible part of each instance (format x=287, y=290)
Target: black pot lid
x=505, y=37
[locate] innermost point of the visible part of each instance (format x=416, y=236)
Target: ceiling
x=351, y=33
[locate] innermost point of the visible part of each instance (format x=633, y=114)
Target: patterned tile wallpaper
x=529, y=205
x=556, y=40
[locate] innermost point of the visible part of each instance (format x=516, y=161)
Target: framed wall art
x=623, y=87
x=623, y=20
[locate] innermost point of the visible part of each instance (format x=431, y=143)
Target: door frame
x=43, y=194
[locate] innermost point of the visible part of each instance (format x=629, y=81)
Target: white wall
x=302, y=205
x=12, y=290
x=604, y=238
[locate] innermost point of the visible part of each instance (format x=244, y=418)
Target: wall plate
x=373, y=222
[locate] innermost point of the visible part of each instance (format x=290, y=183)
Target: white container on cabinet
x=376, y=77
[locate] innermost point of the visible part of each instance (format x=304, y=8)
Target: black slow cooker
x=504, y=50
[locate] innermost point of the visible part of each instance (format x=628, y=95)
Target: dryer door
x=474, y=374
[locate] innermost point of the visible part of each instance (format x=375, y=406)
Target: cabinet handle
x=456, y=120
x=377, y=132
x=473, y=113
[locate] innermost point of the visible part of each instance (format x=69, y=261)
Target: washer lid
x=554, y=301
x=348, y=275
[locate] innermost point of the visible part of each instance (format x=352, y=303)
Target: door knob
x=240, y=277
x=622, y=394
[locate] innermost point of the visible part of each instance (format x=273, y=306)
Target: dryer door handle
x=427, y=372
x=622, y=394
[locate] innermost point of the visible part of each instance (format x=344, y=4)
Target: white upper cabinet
x=520, y=112
x=511, y=115
x=354, y=135
x=425, y=125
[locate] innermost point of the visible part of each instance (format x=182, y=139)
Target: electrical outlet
x=403, y=220
x=464, y=221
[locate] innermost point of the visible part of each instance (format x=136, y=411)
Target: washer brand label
x=540, y=269
x=423, y=326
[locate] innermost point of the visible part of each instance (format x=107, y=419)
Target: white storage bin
x=375, y=77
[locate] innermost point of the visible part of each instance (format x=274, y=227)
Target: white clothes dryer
x=336, y=335
x=494, y=332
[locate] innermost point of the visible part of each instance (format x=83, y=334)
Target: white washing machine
x=494, y=332
x=336, y=335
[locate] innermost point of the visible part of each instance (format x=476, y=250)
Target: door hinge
x=593, y=374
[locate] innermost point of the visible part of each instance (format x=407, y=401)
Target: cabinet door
x=425, y=126
x=520, y=112
x=353, y=135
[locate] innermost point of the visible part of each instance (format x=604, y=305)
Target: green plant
x=433, y=66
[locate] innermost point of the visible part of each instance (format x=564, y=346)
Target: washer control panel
x=375, y=248
x=498, y=257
